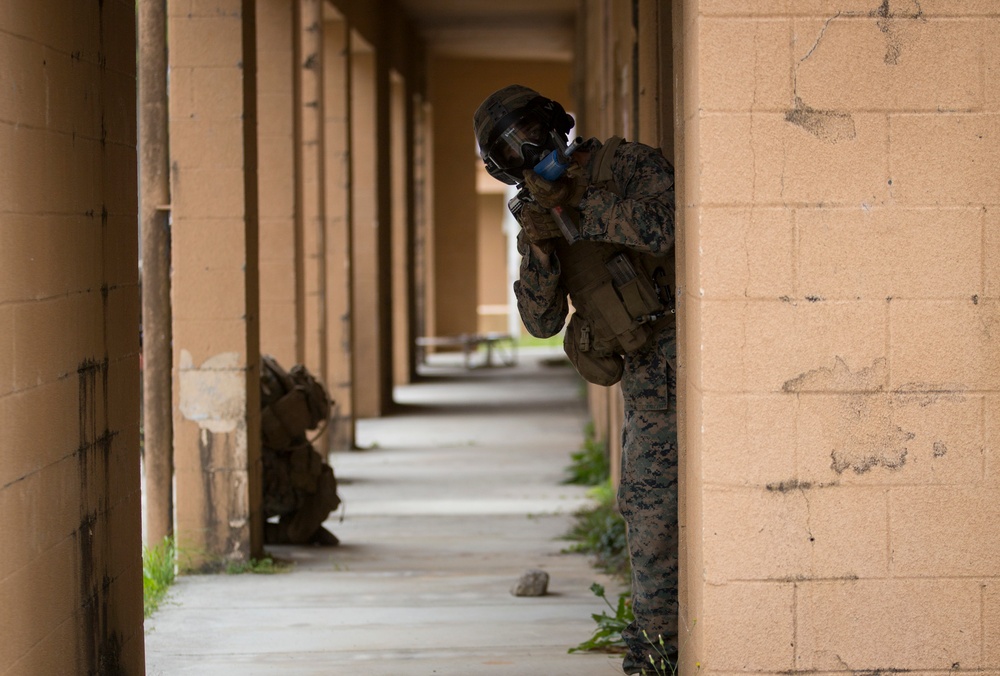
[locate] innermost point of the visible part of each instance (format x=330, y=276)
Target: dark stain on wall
x=100, y=646
x=790, y=485
x=888, y=23
x=206, y=450
x=831, y=126
x=862, y=420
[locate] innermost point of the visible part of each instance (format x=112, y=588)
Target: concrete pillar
x=843, y=371
x=423, y=211
x=491, y=253
x=154, y=190
x=337, y=136
x=70, y=567
x=215, y=290
x=400, y=166
x=312, y=188
x=366, y=232
x=281, y=321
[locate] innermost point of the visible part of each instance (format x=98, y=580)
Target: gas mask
x=515, y=128
x=521, y=146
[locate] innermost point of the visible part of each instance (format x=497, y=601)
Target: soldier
x=603, y=234
x=299, y=486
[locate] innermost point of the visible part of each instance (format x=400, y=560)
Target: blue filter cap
x=552, y=166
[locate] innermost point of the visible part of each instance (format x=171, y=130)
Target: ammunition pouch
x=601, y=367
x=620, y=298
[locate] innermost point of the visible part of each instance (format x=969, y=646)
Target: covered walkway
x=453, y=498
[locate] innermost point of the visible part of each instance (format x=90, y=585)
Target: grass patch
x=608, y=635
x=159, y=569
x=600, y=532
x=590, y=465
x=263, y=566
x=528, y=340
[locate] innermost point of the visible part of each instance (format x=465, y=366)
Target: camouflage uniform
x=640, y=217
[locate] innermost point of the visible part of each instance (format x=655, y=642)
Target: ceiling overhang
x=495, y=29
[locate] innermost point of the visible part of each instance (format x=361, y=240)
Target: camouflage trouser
x=647, y=498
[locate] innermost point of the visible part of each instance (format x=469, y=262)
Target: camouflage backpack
x=292, y=402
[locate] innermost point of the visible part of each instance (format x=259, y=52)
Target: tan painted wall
x=215, y=281
x=312, y=184
x=280, y=326
x=367, y=228
x=842, y=385
x=70, y=567
x=492, y=305
x=401, y=141
x=460, y=85
x=339, y=377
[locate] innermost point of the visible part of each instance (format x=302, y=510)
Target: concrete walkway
x=452, y=500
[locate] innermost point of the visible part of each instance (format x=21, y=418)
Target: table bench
x=499, y=345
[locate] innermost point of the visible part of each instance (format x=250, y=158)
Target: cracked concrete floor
x=453, y=498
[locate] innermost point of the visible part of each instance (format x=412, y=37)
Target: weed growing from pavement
x=600, y=531
x=263, y=566
x=159, y=569
x=608, y=635
x=663, y=664
x=590, y=465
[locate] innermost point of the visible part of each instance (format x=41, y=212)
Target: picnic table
x=501, y=349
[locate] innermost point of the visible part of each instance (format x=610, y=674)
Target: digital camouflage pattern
x=639, y=216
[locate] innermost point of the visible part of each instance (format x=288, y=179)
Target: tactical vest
x=621, y=296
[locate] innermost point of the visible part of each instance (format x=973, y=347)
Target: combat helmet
x=515, y=128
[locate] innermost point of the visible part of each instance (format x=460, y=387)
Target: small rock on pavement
x=534, y=582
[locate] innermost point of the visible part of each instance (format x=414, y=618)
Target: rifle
x=551, y=167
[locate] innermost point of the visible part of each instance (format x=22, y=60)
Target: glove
x=567, y=190
x=539, y=226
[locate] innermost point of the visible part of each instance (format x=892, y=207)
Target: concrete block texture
x=782, y=7
x=890, y=438
x=880, y=252
x=991, y=252
x=214, y=284
x=867, y=625
x=840, y=322
x=752, y=438
x=902, y=61
x=945, y=532
x=744, y=252
x=945, y=160
x=735, y=635
x=792, y=530
x=991, y=440
x=945, y=346
x=745, y=64
x=858, y=8
x=784, y=345
x=991, y=624
x=801, y=156
x=194, y=41
x=70, y=581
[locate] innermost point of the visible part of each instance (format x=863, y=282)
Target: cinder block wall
x=281, y=325
x=213, y=137
x=70, y=566
x=843, y=362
